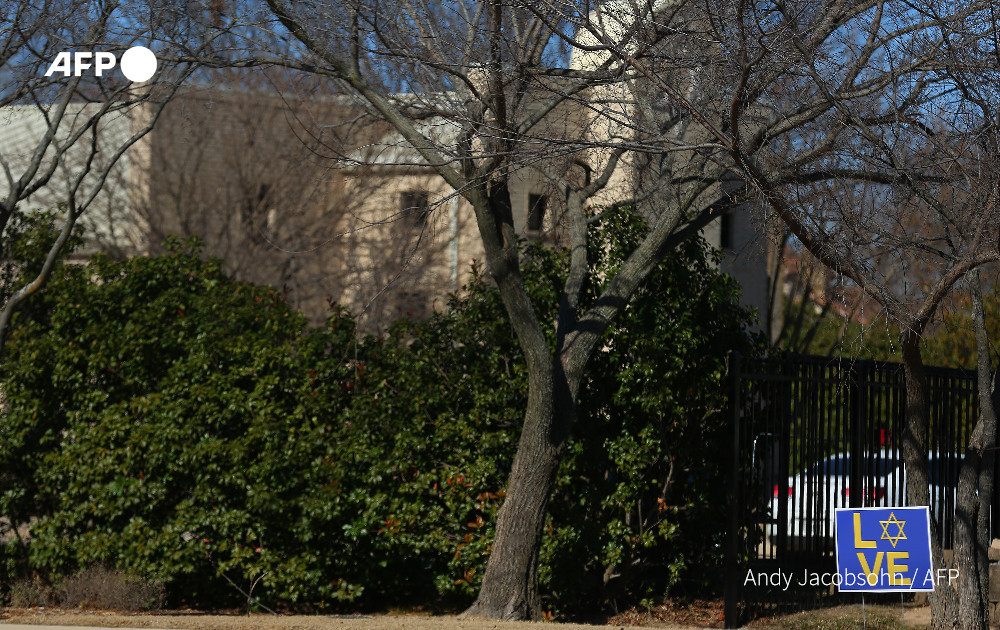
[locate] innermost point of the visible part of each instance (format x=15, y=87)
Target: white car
x=807, y=504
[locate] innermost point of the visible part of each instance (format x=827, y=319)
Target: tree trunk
x=970, y=553
x=972, y=522
x=510, y=583
x=942, y=599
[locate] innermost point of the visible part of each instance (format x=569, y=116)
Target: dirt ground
x=201, y=621
x=688, y=618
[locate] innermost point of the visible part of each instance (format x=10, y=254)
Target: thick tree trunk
x=972, y=522
x=510, y=583
x=942, y=599
x=970, y=552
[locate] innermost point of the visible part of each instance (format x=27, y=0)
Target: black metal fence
x=812, y=434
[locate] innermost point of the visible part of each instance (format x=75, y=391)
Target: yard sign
x=885, y=549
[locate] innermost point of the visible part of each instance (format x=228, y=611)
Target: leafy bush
x=639, y=504
x=170, y=423
x=639, y=509
x=174, y=424
x=949, y=341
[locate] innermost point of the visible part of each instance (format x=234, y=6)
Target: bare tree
x=883, y=110
x=698, y=109
x=975, y=482
x=486, y=98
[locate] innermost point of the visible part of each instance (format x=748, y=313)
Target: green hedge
x=170, y=422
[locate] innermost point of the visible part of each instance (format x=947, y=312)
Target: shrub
x=638, y=508
x=29, y=593
x=108, y=589
x=169, y=423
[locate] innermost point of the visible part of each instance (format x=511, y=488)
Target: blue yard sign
x=884, y=549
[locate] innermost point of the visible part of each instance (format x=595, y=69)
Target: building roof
x=394, y=150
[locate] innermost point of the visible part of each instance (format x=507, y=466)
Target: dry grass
x=96, y=588
x=107, y=589
x=28, y=593
x=873, y=617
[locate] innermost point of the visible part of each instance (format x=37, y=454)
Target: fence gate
x=812, y=434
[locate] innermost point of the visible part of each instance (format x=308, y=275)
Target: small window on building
x=536, y=212
x=414, y=204
x=726, y=231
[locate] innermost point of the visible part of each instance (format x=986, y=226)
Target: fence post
x=733, y=547
x=859, y=426
x=995, y=460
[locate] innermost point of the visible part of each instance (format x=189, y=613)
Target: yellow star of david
x=885, y=530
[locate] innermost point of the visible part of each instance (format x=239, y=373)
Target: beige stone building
x=349, y=215
x=251, y=177
x=315, y=199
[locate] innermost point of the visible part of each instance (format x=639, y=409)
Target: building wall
x=321, y=215
x=239, y=172
x=274, y=200
x=249, y=178
x=745, y=259
x=741, y=234
x=107, y=222
x=402, y=258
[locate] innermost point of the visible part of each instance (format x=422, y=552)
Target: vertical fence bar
x=857, y=398
x=736, y=492
x=778, y=391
